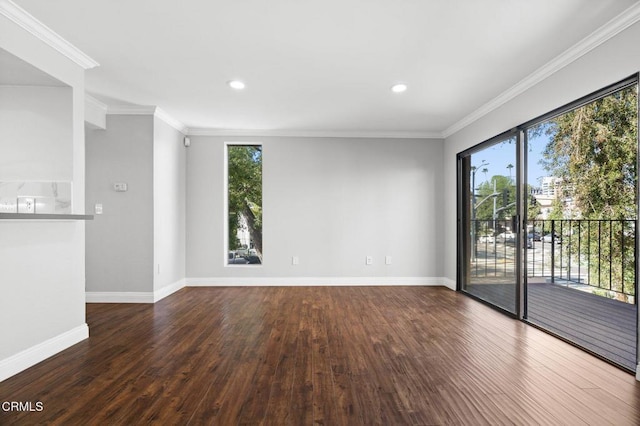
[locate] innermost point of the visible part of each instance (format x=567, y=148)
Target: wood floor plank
x=319, y=355
x=302, y=390
x=324, y=404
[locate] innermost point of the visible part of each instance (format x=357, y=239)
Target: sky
x=499, y=156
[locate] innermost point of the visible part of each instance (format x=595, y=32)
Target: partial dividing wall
x=330, y=202
x=169, y=208
x=42, y=307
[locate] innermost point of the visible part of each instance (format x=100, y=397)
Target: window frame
x=225, y=218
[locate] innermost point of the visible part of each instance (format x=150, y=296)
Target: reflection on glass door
x=489, y=257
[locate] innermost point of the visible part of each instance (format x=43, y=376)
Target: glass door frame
x=463, y=240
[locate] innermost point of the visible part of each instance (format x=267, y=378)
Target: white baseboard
x=449, y=283
x=119, y=297
x=134, y=296
x=638, y=372
x=168, y=290
x=153, y=297
x=318, y=281
x=35, y=354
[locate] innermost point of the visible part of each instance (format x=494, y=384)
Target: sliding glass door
x=489, y=237
x=547, y=222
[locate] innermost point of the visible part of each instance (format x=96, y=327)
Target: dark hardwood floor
x=319, y=355
x=606, y=327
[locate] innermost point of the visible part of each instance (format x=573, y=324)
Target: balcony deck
x=603, y=326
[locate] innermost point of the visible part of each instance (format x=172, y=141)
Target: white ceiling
x=318, y=66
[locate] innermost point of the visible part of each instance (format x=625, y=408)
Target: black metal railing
x=597, y=254
x=493, y=254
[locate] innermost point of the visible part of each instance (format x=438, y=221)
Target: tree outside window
x=244, y=183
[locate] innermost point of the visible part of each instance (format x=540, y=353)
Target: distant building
x=552, y=188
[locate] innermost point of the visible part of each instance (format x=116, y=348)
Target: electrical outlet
x=369, y=260
x=98, y=208
x=26, y=205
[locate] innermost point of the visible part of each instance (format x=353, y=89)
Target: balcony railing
x=598, y=256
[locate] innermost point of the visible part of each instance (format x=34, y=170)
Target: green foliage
x=593, y=150
x=557, y=210
x=245, y=193
x=504, y=195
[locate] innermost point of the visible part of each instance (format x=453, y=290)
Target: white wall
x=329, y=201
x=36, y=152
x=610, y=62
x=42, y=280
x=119, y=250
x=169, y=205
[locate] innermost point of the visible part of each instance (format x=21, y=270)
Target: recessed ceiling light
x=236, y=84
x=399, y=88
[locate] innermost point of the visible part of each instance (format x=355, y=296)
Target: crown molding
x=148, y=110
x=90, y=100
x=178, y=125
x=615, y=26
x=95, y=112
x=131, y=110
x=22, y=18
x=313, y=133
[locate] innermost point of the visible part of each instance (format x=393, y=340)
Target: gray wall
x=119, y=242
x=329, y=201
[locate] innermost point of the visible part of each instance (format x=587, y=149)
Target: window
x=244, y=204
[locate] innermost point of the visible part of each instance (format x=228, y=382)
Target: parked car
x=486, y=239
x=234, y=259
x=242, y=251
x=535, y=236
x=510, y=238
x=548, y=238
x=506, y=237
x=529, y=243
